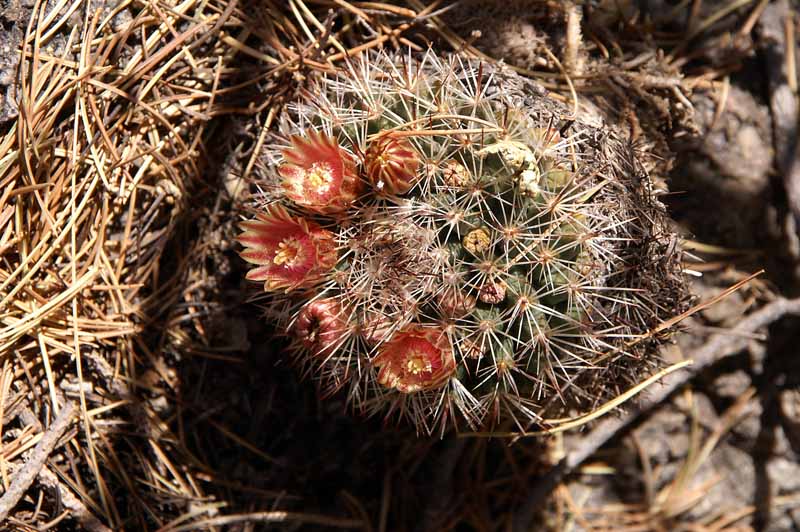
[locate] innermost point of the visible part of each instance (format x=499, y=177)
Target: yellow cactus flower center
x=289, y=253
x=320, y=176
x=417, y=363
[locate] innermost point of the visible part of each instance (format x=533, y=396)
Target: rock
x=784, y=474
x=789, y=401
x=749, y=424
x=9, y=54
x=739, y=142
x=664, y=437
x=736, y=486
x=724, y=312
x=732, y=385
x=727, y=164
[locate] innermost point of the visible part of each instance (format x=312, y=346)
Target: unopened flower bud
x=493, y=292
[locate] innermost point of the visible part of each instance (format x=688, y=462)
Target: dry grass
x=101, y=178
x=99, y=172
x=114, y=213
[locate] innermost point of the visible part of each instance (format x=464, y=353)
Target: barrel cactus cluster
x=440, y=241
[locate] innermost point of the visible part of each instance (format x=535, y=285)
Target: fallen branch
x=24, y=478
x=716, y=348
x=323, y=521
x=78, y=510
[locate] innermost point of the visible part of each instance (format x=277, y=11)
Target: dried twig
x=271, y=517
x=572, y=61
x=582, y=447
x=25, y=476
x=78, y=511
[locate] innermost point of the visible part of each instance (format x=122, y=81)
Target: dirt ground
x=189, y=417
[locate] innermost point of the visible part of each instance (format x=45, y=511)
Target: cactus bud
x=477, y=241
x=456, y=174
x=320, y=326
x=391, y=165
x=492, y=292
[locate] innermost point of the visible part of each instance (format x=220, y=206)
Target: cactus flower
x=319, y=326
x=318, y=174
x=392, y=165
x=417, y=358
x=290, y=252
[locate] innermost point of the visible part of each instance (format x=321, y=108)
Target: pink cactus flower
x=320, y=326
x=290, y=252
x=416, y=358
x=318, y=174
x=391, y=165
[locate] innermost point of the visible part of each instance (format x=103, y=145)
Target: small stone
x=736, y=486
x=790, y=404
x=701, y=405
x=789, y=401
x=784, y=474
x=159, y=404
x=749, y=424
x=732, y=385
x=725, y=311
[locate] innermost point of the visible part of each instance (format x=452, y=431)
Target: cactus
x=440, y=241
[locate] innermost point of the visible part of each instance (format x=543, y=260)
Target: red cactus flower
x=320, y=326
x=318, y=174
x=416, y=358
x=290, y=252
x=391, y=165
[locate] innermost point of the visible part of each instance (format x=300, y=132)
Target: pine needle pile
x=100, y=172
